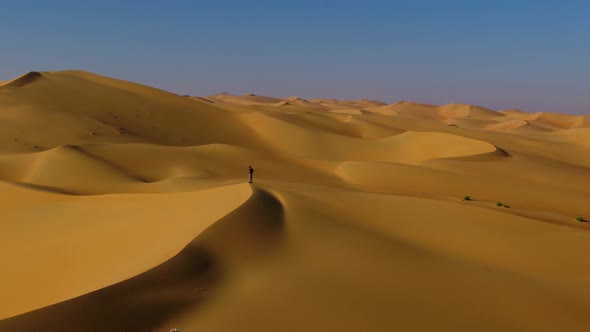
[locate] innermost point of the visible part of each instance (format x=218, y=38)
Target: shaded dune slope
x=95, y=241
x=131, y=168
x=330, y=245
x=408, y=147
x=147, y=301
x=23, y=80
x=96, y=109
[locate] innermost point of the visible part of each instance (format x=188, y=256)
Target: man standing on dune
x=251, y=171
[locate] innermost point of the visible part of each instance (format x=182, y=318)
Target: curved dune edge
x=415, y=147
x=96, y=169
x=337, y=260
x=513, y=124
x=68, y=168
x=409, y=147
x=150, y=299
x=136, y=233
x=22, y=80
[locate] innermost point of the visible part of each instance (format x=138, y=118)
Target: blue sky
x=532, y=55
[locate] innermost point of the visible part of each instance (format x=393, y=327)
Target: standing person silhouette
x=251, y=171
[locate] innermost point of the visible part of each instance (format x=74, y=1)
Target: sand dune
x=551, y=121
x=560, y=120
x=517, y=125
x=297, y=100
x=23, y=80
x=248, y=99
x=316, y=104
x=282, y=103
x=126, y=208
x=456, y=110
x=97, y=109
x=78, y=246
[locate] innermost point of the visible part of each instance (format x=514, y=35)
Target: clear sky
x=527, y=54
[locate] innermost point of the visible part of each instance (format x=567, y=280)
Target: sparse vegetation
x=499, y=204
x=581, y=219
x=466, y=198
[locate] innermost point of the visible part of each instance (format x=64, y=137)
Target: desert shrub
x=580, y=219
x=466, y=198
x=499, y=204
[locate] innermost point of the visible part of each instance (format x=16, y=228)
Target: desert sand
x=127, y=208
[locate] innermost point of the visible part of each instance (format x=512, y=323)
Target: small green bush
x=580, y=219
x=466, y=198
x=499, y=204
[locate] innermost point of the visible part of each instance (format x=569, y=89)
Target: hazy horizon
x=529, y=55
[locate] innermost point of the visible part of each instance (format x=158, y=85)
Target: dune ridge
x=87, y=241
x=23, y=80
x=188, y=277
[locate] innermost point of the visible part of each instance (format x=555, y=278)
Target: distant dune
x=23, y=80
x=127, y=208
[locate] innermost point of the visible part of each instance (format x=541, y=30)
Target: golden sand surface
x=127, y=208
